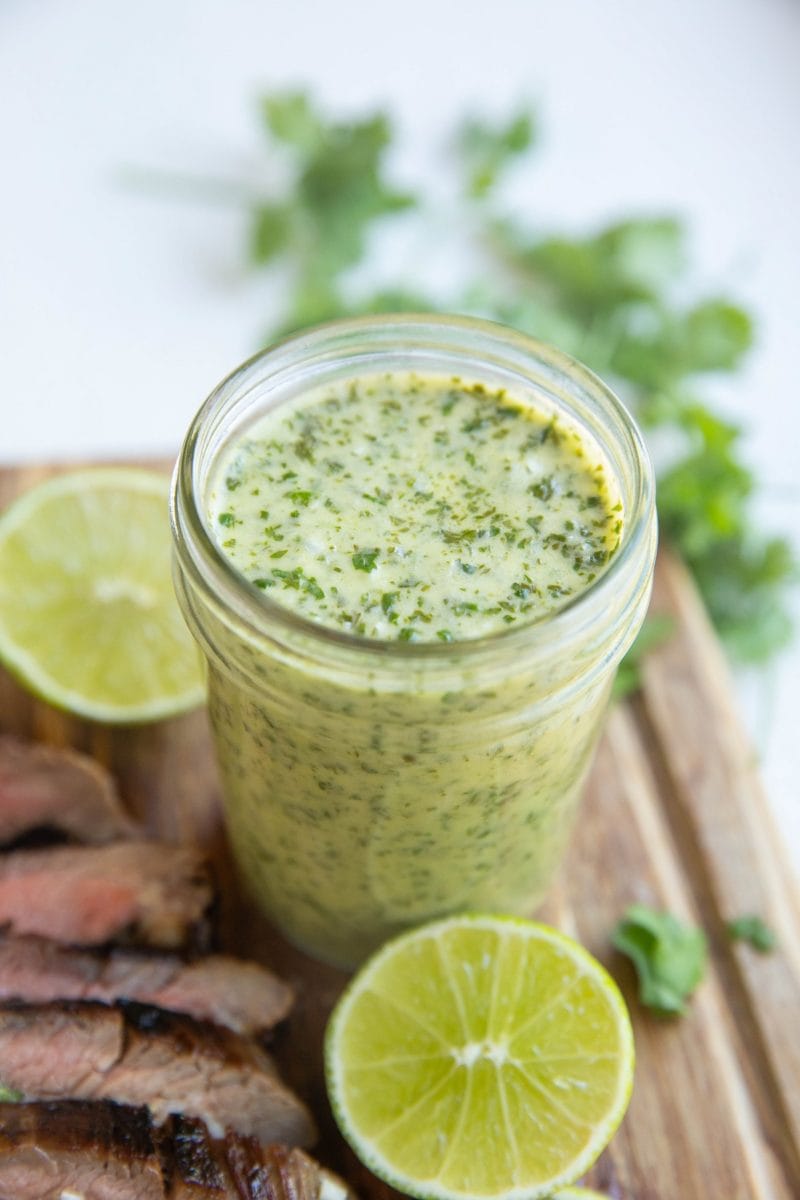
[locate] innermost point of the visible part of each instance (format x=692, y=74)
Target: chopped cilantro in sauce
x=416, y=508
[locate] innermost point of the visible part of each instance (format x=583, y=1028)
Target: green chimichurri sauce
x=415, y=508
x=405, y=508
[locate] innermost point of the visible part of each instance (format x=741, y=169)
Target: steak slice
x=243, y=1169
x=142, y=1056
x=42, y=787
x=197, y=1167
x=242, y=996
x=97, y=1151
x=54, y=1052
x=144, y=892
x=176, y=1065
x=271, y=1172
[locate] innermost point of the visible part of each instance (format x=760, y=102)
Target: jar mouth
x=418, y=340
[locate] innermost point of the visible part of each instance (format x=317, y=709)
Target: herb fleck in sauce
x=415, y=508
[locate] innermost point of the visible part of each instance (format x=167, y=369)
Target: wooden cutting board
x=674, y=816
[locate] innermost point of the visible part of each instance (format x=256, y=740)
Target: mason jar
x=371, y=785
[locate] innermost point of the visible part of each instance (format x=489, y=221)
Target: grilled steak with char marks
x=278, y=1173
x=98, y=1150
x=141, y=1055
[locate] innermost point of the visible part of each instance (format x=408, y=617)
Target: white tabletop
x=121, y=310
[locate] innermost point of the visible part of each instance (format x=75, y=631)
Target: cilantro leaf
x=701, y=499
x=342, y=191
x=669, y=957
x=337, y=191
x=365, y=560
x=270, y=233
x=658, y=347
x=716, y=334
x=291, y=118
x=9, y=1095
x=704, y=510
x=297, y=580
x=752, y=929
x=486, y=150
x=655, y=631
x=623, y=263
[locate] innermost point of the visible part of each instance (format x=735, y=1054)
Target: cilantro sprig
x=615, y=297
x=336, y=190
x=752, y=929
x=669, y=957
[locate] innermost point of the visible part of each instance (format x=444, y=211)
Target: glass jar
x=372, y=785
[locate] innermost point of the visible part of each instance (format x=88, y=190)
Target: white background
x=120, y=309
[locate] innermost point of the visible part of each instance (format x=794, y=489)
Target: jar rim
x=198, y=551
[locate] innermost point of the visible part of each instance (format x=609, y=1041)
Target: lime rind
x=578, y=1193
x=430, y=1189
x=71, y=483
x=76, y=493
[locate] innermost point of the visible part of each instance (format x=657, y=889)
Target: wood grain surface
x=674, y=816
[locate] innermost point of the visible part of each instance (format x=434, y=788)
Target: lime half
x=88, y=617
x=480, y=1056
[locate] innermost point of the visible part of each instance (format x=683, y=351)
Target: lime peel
x=480, y=1056
x=579, y=1193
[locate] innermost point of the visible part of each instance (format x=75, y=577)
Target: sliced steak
x=197, y=1167
x=144, y=1056
x=176, y=1065
x=271, y=1172
x=242, y=996
x=97, y=1151
x=242, y=1168
x=54, y=1052
x=143, y=892
x=42, y=787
